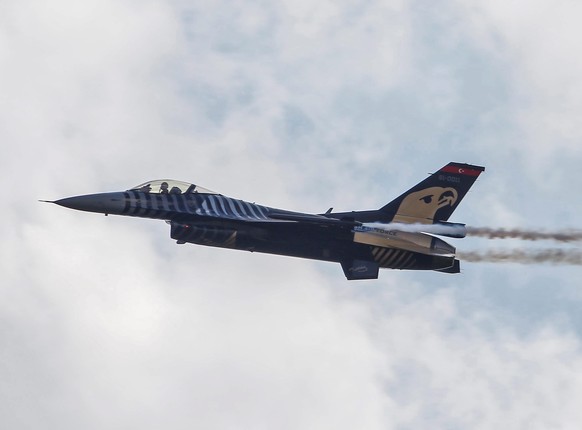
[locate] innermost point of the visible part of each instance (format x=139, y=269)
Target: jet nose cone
x=107, y=203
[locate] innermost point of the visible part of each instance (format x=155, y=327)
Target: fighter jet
x=395, y=236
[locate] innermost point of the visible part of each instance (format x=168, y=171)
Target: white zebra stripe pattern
x=393, y=258
x=162, y=205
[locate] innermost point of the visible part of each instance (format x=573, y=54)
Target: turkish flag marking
x=460, y=170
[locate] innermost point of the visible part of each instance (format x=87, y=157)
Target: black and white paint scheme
x=361, y=241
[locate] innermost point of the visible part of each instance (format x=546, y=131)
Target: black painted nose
x=105, y=203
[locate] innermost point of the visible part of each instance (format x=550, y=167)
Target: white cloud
x=101, y=324
x=538, y=42
x=455, y=371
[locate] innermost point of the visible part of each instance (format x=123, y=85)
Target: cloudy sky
x=107, y=323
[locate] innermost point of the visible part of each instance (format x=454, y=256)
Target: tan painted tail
x=435, y=198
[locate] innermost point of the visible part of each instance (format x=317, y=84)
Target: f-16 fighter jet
x=396, y=236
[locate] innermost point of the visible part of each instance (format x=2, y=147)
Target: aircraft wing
x=312, y=219
x=272, y=218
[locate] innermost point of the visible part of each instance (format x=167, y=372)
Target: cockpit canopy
x=169, y=186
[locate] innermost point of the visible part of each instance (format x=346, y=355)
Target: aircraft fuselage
x=216, y=220
x=200, y=216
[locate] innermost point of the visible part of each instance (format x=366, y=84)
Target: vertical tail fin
x=435, y=198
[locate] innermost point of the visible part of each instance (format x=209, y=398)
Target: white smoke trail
x=452, y=230
x=568, y=235
x=522, y=256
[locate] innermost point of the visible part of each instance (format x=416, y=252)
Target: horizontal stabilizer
x=455, y=268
